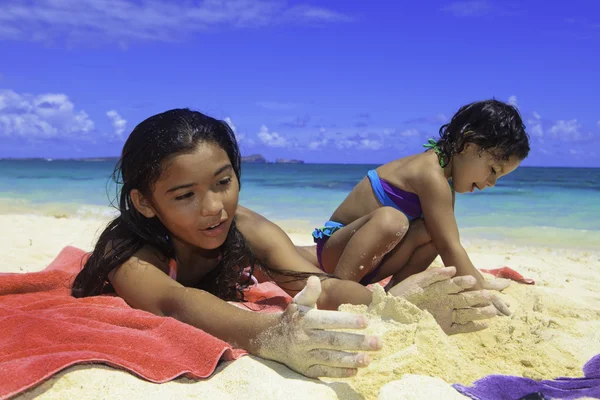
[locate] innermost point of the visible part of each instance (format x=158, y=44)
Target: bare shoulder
x=248, y=220
x=264, y=237
x=425, y=175
x=143, y=259
x=253, y=226
x=142, y=282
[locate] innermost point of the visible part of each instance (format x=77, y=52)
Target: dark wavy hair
x=153, y=141
x=492, y=125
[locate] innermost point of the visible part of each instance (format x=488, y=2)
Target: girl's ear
x=142, y=204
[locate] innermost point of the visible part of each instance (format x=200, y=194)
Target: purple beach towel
x=502, y=387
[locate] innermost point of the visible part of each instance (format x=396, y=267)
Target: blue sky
x=323, y=81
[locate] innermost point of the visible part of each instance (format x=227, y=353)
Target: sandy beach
x=553, y=331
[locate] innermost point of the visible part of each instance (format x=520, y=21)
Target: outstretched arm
x=275, y=249
x=299, y=337
x=144, y=286
x=437, y=201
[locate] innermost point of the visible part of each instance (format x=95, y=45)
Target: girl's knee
x=392, y=224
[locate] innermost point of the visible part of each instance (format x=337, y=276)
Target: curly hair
x=492, y=125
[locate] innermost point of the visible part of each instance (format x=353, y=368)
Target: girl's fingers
x=318, y=371
x=456, y=285
x=310, y=294
x=341, y=359
x=466, y=328
x=433, y=275
x=466, y=315
x=501, y=305
x=323, y=319
x=496, y=284
x=342, y=341
x=479, y=298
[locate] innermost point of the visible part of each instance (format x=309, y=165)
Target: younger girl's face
x=196, y=196
x=475, y=169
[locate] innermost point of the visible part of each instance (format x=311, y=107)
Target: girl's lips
x=216, y=231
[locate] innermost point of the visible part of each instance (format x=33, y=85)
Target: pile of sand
x=547, y=336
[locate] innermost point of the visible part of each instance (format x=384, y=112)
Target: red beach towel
x=508, y=273
x=43, y=330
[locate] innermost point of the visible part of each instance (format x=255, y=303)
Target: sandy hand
x=301, y=339
x=496, y=284
x=454, y=308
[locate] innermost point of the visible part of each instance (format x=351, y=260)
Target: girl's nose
x=212, y=205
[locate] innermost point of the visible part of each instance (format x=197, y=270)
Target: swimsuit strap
x=432, y=144
x=173, y=269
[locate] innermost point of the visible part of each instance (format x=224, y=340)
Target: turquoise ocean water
x=545, y=205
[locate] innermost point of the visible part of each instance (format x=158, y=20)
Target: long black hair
x=153, y=141
x=491, y=125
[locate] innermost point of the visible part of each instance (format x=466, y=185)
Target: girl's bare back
x=400, y=173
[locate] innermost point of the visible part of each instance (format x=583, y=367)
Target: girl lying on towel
x=183, y=247
x=399, y=217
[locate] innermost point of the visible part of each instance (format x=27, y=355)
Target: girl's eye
x=184, y=196
x=225, y=181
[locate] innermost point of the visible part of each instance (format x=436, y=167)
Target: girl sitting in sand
x=183, y=247
x=401, y=216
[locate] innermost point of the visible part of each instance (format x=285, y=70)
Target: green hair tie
x=432, y=144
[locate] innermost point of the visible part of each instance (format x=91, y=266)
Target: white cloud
x=318, y=143
x=240, y=137
x=271, y=139
x=441, y=118
x=44, y=116
x=598, y=123
x=370, y=144
x=566, y=130
x=117, y=122
x=512, y=100
x=344, y=143
x=535, y=125
x=536, y=130
x=126, y=20
x=231, y=125
x=410, y=132
x=313, y=13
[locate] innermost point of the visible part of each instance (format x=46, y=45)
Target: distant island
x=259, y=159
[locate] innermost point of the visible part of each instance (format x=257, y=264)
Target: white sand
x=559, y=319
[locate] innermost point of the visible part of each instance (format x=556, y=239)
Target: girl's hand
x=455, y=309
x=496, y=284
x=301, y=340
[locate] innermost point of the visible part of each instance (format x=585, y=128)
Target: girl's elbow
x=171, y=304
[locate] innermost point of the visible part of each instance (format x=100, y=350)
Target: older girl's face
x=196, y=196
